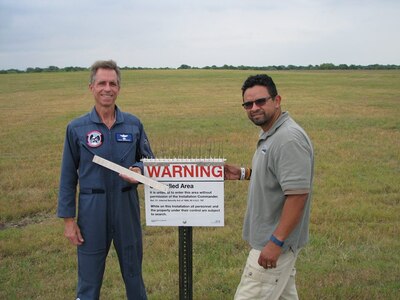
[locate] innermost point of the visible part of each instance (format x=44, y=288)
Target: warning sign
x=195, y=195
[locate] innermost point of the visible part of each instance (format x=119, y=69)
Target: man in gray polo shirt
x=279, y=198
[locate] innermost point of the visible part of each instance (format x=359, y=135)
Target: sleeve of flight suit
x=69, y=176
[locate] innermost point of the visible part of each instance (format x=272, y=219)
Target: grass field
x=353, y=118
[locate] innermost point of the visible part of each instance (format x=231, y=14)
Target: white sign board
x=195, y=195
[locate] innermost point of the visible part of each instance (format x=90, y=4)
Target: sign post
x=195, y=197
x=185, y=263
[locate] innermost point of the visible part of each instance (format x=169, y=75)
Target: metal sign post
x=185, y=263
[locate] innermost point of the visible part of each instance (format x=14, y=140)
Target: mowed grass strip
x=351, y=116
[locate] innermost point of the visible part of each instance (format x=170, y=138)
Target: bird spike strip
x=188, y=150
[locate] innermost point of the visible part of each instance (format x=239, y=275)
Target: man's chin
x=258, y=122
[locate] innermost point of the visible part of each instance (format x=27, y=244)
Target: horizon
x=52, y=68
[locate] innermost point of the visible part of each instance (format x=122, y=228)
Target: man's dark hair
x=104, y=64
x=263, y=80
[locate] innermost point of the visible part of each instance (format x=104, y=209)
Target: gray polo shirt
x=282, y=165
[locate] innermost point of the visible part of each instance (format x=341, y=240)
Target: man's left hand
x=269, y=255
x=131, y=179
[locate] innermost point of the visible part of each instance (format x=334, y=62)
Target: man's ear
x=278, y=101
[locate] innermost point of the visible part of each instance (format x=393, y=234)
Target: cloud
x=160, y=33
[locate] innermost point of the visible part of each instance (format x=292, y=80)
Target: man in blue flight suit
x=108, y=206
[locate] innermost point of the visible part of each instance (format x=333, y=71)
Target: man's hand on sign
x=231, y=172
x=130, y=179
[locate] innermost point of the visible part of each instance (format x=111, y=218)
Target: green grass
x=353, y=118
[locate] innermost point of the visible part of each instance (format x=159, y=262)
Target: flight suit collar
x=94, y=117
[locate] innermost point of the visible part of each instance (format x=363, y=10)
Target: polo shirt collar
x=282, y=119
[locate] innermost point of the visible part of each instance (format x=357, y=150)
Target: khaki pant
x=271, y=284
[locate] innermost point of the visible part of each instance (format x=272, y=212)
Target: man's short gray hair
x=104, y=64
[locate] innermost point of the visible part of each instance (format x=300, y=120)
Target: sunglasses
x=259, y=102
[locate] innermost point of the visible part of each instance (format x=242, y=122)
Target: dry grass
x=352, y=118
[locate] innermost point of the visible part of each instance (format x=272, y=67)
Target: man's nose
x=255, y=106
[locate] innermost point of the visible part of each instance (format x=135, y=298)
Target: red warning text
x=185, y=171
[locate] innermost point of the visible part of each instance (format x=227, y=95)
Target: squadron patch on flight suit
x=94, y=139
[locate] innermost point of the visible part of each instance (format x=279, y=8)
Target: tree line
x=324, y=66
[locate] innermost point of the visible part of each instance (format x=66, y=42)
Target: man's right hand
x=72, y=232
x=231, y=172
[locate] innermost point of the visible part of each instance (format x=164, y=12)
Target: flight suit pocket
x=91, y=191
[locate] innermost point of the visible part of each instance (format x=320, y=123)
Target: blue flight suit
x=108, y=206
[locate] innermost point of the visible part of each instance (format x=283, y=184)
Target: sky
x=169, y=33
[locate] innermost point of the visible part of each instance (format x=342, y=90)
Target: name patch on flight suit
x=124, y=137
x=94, y=139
